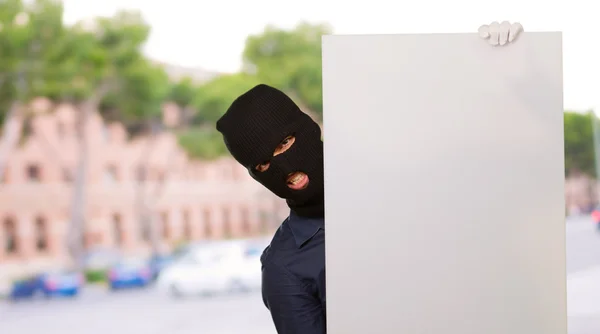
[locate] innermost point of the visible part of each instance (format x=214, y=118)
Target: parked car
x=57, y=283
x=158, y=262
x=212, y=269
x=130, y=273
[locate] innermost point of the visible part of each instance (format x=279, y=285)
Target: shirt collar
x=304, y=228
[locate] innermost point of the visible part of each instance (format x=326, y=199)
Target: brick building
x=191, y=200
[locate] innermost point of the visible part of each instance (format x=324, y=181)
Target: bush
x=205, y=143
x=95, y=276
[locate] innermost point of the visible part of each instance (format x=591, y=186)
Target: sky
x=211, y=34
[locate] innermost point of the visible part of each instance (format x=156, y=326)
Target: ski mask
x=253, y=127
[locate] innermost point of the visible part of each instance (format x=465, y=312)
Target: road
x=144, y=312
x=583, y=276
x=149, y=312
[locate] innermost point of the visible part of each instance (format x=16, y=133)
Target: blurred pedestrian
x=281, y=147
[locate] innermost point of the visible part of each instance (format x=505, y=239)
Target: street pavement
x=99, y=311
x=140, y=312
x=583, y=276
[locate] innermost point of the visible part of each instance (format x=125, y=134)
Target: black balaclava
x=252, y=128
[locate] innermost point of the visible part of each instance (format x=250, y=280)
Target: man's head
x=281, y=146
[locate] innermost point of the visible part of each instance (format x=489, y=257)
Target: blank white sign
x=444, y=172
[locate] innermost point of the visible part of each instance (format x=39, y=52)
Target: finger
x=494, y=29
x=503, y=32
x=515, y=30
x=484, y=31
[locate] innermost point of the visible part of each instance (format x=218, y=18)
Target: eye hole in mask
x=285, y=145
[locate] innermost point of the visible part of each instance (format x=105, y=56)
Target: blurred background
x=120, y=209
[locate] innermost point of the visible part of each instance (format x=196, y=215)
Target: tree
x=210, y=102
x=287, y=59
x=579, y=142
x=214, y=97
x=182, y=93
x=28, y=35
x=98, y=61
x=291, y=61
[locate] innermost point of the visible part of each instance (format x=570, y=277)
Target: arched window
x=34, y=173
x=264, y=221
x=9, y=226
x=41, y=234
x=187, y=226
x=117, y=229
x=144, y=228
x=166, y=230
x=226, y=223
x=208, y=232
x=245, y=221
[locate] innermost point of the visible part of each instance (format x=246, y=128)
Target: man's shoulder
x=281, y=242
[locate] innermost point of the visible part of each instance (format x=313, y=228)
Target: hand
x=500, y=33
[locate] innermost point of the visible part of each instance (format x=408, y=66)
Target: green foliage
x=291, y=61
x=202, y=142
x=96, y=276
x=579, y=142
x=102, y=60
x=182, y=92
x=213, y=98
x=144, y=88
x=28, y=35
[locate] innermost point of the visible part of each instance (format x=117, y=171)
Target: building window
x=117, y=229
x=33, y=173
x=66, y=175
x=110, y=175
x=245, y=217
x=166, y=231
x=226, y=223
x=4, y=178
x=207, y=224
x=145, y=228
x=264, y=221
x=41, y=234
x=187, y=226
x=10, y=236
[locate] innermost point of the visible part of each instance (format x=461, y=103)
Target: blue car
x=61, y=283
x=130, y=273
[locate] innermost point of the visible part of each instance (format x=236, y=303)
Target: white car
x=213, y=269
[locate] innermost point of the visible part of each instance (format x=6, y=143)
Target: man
x=281, y=147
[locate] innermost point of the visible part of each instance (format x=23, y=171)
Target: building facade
x=126, y=180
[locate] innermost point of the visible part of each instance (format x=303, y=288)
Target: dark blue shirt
x=293, y=276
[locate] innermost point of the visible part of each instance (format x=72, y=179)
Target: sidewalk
x=583, y=301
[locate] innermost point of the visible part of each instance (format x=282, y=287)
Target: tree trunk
x=11, y=132
x=78, y=204
x=77, y=224
x=145, y=217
